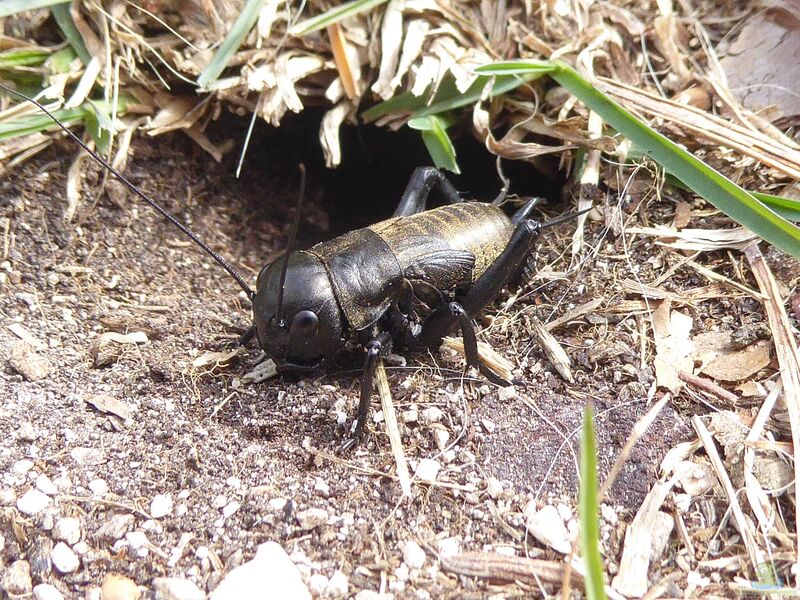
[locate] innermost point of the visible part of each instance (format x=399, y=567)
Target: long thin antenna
x=292, y=240
x=564, y=218
x=188, y=232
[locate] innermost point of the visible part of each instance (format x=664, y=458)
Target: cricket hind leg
x=422, y=181
x=482, y=292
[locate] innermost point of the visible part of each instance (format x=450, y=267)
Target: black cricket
x=402, y=283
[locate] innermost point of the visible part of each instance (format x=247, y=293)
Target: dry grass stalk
x=575, y=314
x=788, y=360
x=392, y=429
x=782, y=157
x=756, y=555
x=491, y=359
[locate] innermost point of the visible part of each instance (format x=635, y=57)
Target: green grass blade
x=785, y=207
x=37, y=123
x=60, y=60
x=334, y=15
x=438, y=143
x=12, y=7
x=447, y=97
x=589, y=511
x=701, y=179
x=240, y=29
x=63, y=18
x=22, y=58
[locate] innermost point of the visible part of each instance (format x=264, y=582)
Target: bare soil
x=209, y=439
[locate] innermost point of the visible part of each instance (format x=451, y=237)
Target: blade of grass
x=447, y=98
x=438, y=143
x=334, y=15
x=12, y=7
x=63, y=17
x=37, y=123
x=244, y=23
x=589, y=511
x=702, y=179
x=786, y=207
x=22, y=58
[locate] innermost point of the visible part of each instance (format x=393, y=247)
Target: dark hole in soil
x=377, y=164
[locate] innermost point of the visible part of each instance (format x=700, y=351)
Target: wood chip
x=555, y=353
x=109, y=404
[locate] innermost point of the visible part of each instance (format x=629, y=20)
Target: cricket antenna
x=162, y=211
x=292, y=240
x=564, y=218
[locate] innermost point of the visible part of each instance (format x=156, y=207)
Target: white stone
x=427, y=470
x=161, y=506
x=81, y=548
x=414, y=555
x=219, y=501
x=46, y=591
x=321, y=487
x=32, y=502
x=98, y=487
x=21, y=467
x=115, y=527
x=372, y=595
x=231, y=508
x=138, y=543
x=547, y=527
x=311, y=518
x=16, y=580
x=271, y=569
x=449, y=547
x=317, y=584
x=45, y=485
x=432, y=414
x=67, y=529
x=441, y=437
x=64, y=559
x=494, y=487
x=176, y=588
x=338, y=585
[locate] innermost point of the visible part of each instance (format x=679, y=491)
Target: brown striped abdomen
x=476, y=227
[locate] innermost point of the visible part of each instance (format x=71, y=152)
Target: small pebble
x=432, y=414
x=116, y=527
x=26, y=432
x=441, y=437
x=338, y=585
x=98, y=487
x=270, y=569
x=119, y=587
x=311, y=518
x=231, y=508
x=161, y=506
x=16, y=580
x=321, y=487
x=45, y=485
x=494, y=488
x=21, y=467
x=64, y=559
x=32, y=502
x=427, y=470
x=28, y=363
x=413, y=555
x=46, y=591
x=176, y=588
x=219, y=501
x=67, y=529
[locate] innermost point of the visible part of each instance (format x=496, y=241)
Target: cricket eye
x=304, y=324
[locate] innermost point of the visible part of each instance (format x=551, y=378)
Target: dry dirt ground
x=244, y=463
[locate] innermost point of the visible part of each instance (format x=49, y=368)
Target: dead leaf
x=215, y=359
x=674, y=349
x=720, y=361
